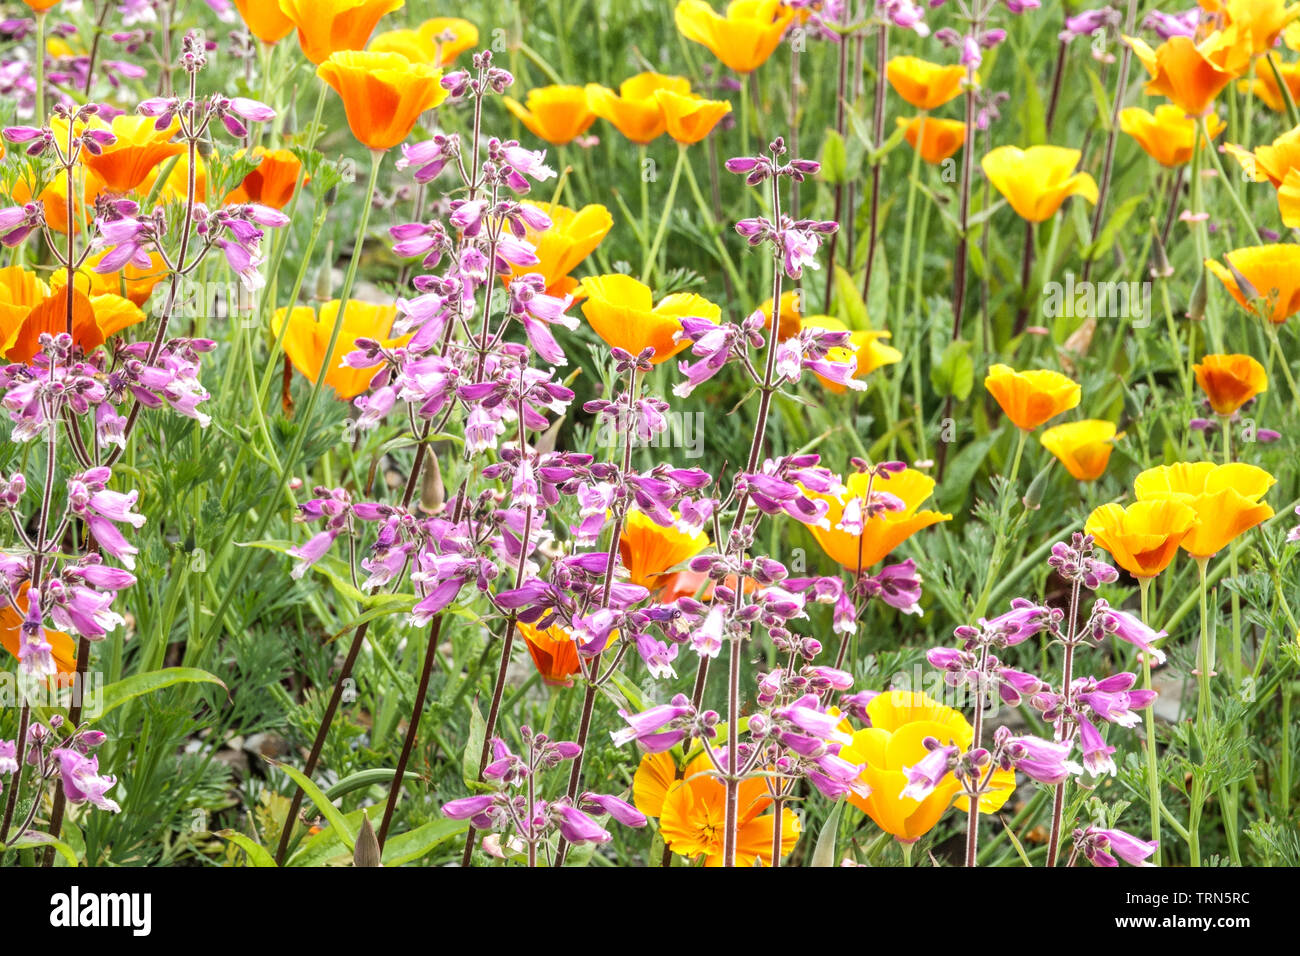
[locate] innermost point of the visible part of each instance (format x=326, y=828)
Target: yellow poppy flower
x=135, y=282
x=1031, y=398
x=1288, y=199
x=1083, y=447
x=691, y=807
x=791, y=317
x=1273, y=272
x=326, y=27
x=865, y=345
x=86, y=187
x=176, y=187
x=633, y=110
x=940, y=138
x=1226, y=499
x=650, y=552
x=1167, y=136
x=553, y=652
x=557, y=114
x=689, y=118
x=573, y=236
x=622, y=311
x=1264, y=85
x=1272, y=162
x=383, y=94
x=1230, y=381
x=884, y=531
x=1144, y=537
x=264, y=19
x=138, y=150
x=307, y=339
x=900, y=723
x=94, y=318
x=1037, y=180
x=1259, y=22
x=744, y=38
x=923, y=84
x=1192, y=74
x=436, y=42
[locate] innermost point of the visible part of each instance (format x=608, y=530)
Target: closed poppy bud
x=1033, y=498
x=689, y=118
x=1262, y=276
x=938, y=138
x=383, y=94
x=633, y=110
x=330, y=26
x=557, y=114
x=924, y=85
x=1037, y=180
x=1083, y=447
x=1230, y=381
x=744, y=38
x=1144, y=537
x=1031, y=398
x=264, y=19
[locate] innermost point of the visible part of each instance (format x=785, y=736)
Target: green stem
x=648, y=268
x=1153, y=774
x=40, y=78
x=712, y=222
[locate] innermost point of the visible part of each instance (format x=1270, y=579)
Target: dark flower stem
x=973, y=811
x=1067, y=676
x=841, y=87
x=878, y=130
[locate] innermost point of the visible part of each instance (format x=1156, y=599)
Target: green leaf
x=336, y=570
x=323, y=803
x=824, y=851
x=954, y=373
x=417, y=843
x=849, y=307
x=834, y=159
x=1110, y=232
x=1102, y=99
x=137, y=685
x=469, y=763
x=32, y=840
x=258, y=855
x=365, y=778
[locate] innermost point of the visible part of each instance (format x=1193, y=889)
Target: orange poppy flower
x=1230, y=381
x=383, y=94
x=1269, y=163
x=326, y=27
x=691, y=807
x=54, y=197
x=176, y=186
x=1031, y=398
x=744, y=38
x=1264, y=85
x=1144, y=537
x=1226, y=499
x=1259, y=22
x=689, y=118
x=900, y=723
x=40, y=6
x=557, y=114
x=308, y=337
x=633, y=110
x=940, y=138
x=574, y=235
x=1035, y=181
x=650, y=552
x=132, y=282
x=264, y=19
x=1272, y=273
x=553, y=652
x=865, y=346
x=139, y=148
x=1288, y=199
x=622, y=311
x=1083, y=447
x=11, y=622
x=436, y=42
x=925, y=85
x=1167, y=135
x=94, y=318
x=1192, y=74
x=272, y=182
x=791, y=318
x=881, y=533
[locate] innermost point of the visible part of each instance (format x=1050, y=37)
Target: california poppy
x=901, y=722
x=1192, y=74
x=689, y=118
x=326, y=27
x=1031, y=398
x=1259, y=22
x=176, y=186
x=1265, y=86
x=886, y=529
x=272, y=182
x=622, y=311
x=633, y=110
x=1083, y=447
x=1269, y=163
x=264, y=19
x=1035, y=181
x=1226, y=499
x=572, y=236
x=557, y=114
x=553, y=652
x=436, y=42
x=139, y=148
x=94, y=319
x=691, y=808
x=1167, y=135
x=383, y=94
x=135, y=282
x=11, y=622
x=744, y=38
x=923, y=84
x=308, y=336
x=939, y=138
x=1230, y=381
x=1273, y=274
x=649, y=551
x=1144, y=537
x=865, y=346
x=791, y=317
